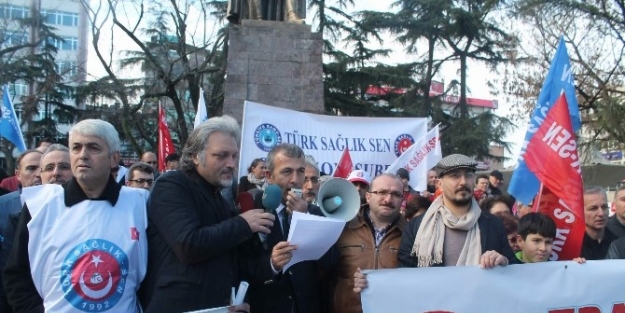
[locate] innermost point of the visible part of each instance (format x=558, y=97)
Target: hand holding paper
x=313, y=235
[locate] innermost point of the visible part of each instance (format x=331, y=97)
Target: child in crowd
x=536, y=234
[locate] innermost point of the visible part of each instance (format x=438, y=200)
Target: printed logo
x=134, y=233
x=267, y=136
x=402, y=143
x=93, y=275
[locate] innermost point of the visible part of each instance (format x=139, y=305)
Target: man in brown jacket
x=369, y=241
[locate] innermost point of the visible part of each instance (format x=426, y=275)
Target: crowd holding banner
x=548, y=174
x=550, y=287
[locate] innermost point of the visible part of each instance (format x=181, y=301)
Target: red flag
x=165, y=145
x=345, y=165
x=552, y=156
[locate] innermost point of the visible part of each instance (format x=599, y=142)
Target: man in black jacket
x=453, y=231
x=199, y=245
x=296, y=290
x=454, y=221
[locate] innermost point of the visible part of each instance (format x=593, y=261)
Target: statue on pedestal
x=292, y=11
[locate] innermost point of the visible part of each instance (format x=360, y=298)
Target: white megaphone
x=338, y=198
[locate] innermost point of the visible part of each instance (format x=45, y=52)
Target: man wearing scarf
x=454, y=231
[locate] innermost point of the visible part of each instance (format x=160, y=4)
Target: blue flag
x=524, y=185
x=9, y=125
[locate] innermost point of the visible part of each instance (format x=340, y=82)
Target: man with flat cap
x=453, y=231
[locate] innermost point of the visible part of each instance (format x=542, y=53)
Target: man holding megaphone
x=295, y=290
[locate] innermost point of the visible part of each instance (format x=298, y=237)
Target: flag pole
x=537, y=199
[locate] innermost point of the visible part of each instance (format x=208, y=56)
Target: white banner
x=550, y=287
x=419, y=159
x=373, y=143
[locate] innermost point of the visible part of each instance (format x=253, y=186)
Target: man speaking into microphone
x=198, y=243
x=296, y=290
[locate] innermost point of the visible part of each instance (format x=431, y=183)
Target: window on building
x=18, y=89
x=60, y=18
x=14, y=38
x=67, y=68
x=13, y=12
x=65, y=43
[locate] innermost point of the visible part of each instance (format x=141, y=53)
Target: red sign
x=552, y=156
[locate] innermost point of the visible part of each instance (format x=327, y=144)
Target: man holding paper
x=297, y=289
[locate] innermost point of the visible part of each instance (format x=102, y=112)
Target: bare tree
x=176, y=48
x=595, y=46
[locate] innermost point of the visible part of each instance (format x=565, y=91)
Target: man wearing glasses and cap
x=140, y=175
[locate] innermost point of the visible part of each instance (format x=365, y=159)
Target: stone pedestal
x=274, y=63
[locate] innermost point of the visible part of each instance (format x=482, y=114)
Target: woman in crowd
x=496, y=205
x=416, y=206
x=255, y=178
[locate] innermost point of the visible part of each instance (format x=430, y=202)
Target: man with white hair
x=310, y=189
x=65, y=257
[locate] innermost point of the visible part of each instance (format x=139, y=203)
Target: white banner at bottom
x=550, y=287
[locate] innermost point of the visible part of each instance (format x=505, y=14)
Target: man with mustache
x=310, y=189
x=27, y=173
x=200, y=247
x=65, y=257
x=298, y=288
x=369, y=241
x=454, y=231
x=597, y=238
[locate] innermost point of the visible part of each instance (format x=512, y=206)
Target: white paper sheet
x=313, y=235
x=215, y=310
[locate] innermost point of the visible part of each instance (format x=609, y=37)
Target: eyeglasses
x=313, y=180
x=384, y=193
x=142, y=181
x=60, y=166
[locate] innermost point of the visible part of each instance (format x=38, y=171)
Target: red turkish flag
x=552, y=156
x=165, y=144
x=345, y=165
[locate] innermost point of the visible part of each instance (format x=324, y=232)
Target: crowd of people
x=80, y=232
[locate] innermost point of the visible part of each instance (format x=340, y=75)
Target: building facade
x=70, y=20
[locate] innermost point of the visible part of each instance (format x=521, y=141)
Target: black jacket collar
x=74, y=193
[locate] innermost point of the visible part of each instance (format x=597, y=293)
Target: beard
x=462, y=201
x=225, y=183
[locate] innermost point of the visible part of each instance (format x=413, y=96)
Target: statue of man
x=292, y=11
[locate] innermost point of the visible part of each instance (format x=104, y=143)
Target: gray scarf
x=428, y=244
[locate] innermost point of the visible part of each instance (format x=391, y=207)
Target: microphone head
x=245, y=201
x=272, y=197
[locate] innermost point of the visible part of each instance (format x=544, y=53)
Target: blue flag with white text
x=9, y=125
x=524, y=185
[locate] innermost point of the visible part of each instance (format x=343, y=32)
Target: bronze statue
x=292, y=11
